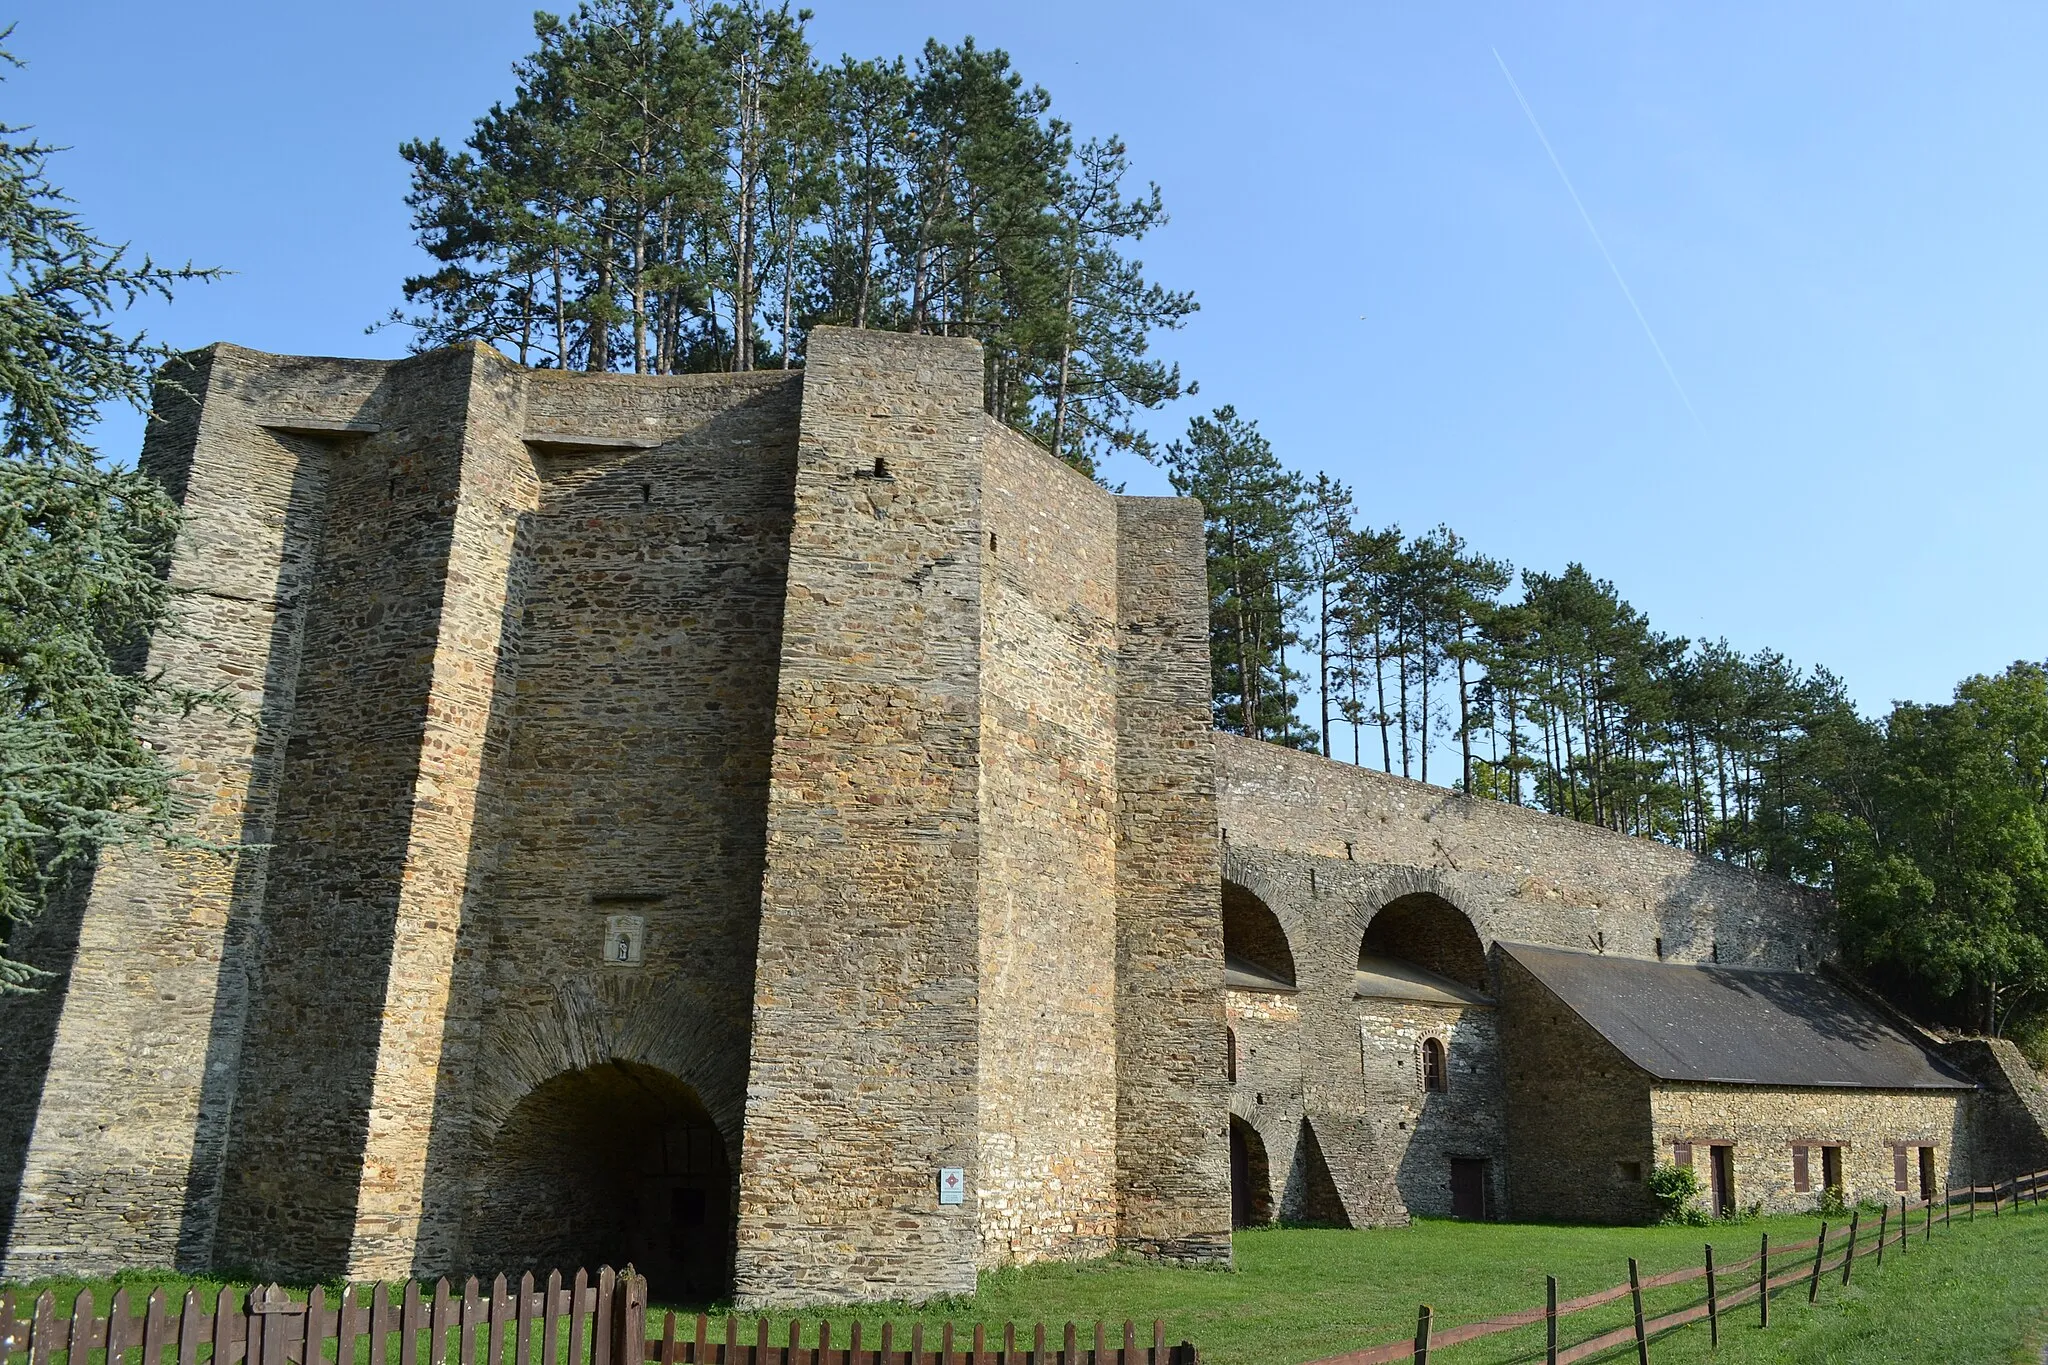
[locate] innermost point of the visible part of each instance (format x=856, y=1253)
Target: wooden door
x=1722, y=1167
x=1468, y=1188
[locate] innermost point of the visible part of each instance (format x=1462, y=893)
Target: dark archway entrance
x=1251, y=1180
x=1254, y=944
x=1430, y=932
x=612, y=1164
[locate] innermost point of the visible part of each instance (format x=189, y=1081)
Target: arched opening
x=1431, y=933
x=1251, y=1181
x=1436, y=1071
x=1255, y=951
x=604, y=1166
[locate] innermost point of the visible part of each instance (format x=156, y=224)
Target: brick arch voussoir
x=591, y=1021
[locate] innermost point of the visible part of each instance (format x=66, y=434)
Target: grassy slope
x=1978, y=1293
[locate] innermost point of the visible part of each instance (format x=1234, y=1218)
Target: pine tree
x=1099, y=377
x=1253, y=508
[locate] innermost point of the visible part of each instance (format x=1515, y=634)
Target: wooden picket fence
x=603, y=1321
x=1751, y=1280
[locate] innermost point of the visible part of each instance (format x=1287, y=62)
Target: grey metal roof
x=1736, y=1025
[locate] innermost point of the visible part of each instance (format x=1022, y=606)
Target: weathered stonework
x=681, y=819
x=1763, y=1126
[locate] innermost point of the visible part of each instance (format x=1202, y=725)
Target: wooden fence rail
x=1798, y=1263
x=604, y=1321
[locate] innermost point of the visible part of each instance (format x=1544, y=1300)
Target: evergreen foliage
x=1930, y=826
x=671, y=193
x=81, y=551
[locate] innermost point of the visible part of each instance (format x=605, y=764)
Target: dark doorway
x=612, y=1164
x=1468, y=1188
x=1251, y=1181
x=1721, y=1166
x=1831, y=1169
x=1927, y=1173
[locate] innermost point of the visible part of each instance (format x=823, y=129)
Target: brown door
x=1723, y=1169
x=1468, y=1188
x=1927, y=1173
x=1831, y=1169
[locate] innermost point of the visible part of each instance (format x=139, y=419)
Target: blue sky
x=1832, y=216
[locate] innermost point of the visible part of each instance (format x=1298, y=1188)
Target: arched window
x=1436, y=1075
x=1230, y=1061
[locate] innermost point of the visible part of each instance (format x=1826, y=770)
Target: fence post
x=1635, y=1292
x=1422, y=1316
x=1905, y=1228
x=629, y=1320
x=1550, y=1320
x=1713, y=1301
x=1927, y=1234
x=1763, y=1283
x=1820, y=1249
x=1948, y=1205
x=1884, y=1222
x=1849, y=1260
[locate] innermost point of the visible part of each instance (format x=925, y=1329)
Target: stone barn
x=768, y=827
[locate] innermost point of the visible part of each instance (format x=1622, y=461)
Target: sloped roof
x=1246, y=975
x=1736, y=1025
x=1390, y=978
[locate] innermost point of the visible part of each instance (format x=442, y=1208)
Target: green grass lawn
x=1978, y=1292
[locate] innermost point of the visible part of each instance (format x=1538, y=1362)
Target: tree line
x=666, y=193
x=1420, y=655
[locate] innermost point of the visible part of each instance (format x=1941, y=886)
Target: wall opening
x=1251, y=1181
x=1430, y=932
x=1721, y=1179
x=1468, y=1188
x=1253, y=942
x=613, y=1164
x=1436, y=1070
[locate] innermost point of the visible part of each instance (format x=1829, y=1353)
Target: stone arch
x=1253, y=933
x=1427, y=928
x=605, y=1165
x=592, y=1020
x=1251, y=1176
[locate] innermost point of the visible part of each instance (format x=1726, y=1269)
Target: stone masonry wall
x=1428, y=1129
x=866, y=1009
x=132, y=1093
x=1173, y=1135
x=1763, y=1124
x=636, y=718
x=2007, y=1117
x=1577, y=1110
x=382, y=775
x=1520, y=875
x=1046, y=1087
x=1266, y=1091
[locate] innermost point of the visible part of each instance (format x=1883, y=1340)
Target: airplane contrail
x=1605, y=255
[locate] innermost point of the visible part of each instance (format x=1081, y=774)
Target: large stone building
x=768, y=827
